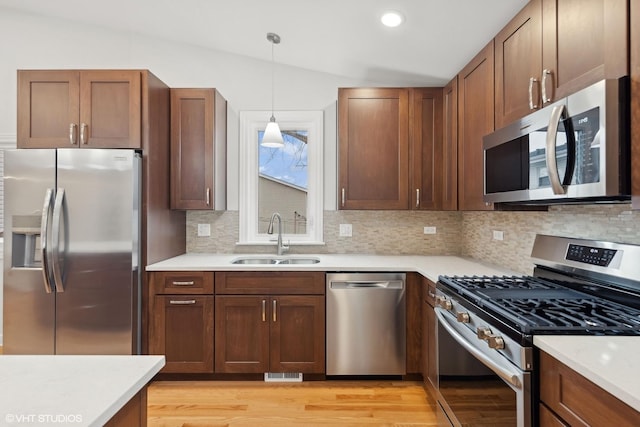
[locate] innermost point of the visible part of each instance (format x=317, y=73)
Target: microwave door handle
x=552, y=161
x=510, y=377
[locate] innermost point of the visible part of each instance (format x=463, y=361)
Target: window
x=286, y=180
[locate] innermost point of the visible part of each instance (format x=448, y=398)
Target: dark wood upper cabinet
x=475, y=119
x=88, y=108
x=373, y=148
x=584, y=41
x=450, y=146
x=518, y=64
x=198, y=149
x=425, y=123
x=553, y=48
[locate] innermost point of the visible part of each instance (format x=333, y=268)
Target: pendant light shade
x=272, y=136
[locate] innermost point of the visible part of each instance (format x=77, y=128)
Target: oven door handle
x=511, y=377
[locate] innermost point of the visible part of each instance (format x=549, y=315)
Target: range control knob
x=444, y=303
x=462, y=317
x=496, y=342
x=483, y=332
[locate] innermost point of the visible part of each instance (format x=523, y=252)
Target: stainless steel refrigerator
x=72, y=251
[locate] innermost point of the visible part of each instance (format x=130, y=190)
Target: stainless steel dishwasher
x=366, y=318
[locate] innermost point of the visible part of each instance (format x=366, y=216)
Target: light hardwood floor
x=311, y=403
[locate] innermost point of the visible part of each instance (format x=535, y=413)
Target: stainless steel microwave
x=574, y=150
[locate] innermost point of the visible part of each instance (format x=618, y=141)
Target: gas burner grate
x=576, y=313
x=535, y=305
x=497, y=282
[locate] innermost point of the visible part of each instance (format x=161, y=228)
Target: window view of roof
x=287, y=164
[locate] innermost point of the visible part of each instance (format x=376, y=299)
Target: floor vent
x=282, y=377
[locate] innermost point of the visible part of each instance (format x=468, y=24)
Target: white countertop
x=609, y=362
x=429, y=266
x=70, y=390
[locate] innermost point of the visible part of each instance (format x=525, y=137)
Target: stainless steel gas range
x=487, y=366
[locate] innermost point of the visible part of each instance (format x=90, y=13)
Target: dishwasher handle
x=365, y=284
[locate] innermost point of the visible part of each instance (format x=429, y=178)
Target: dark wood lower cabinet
x=429, y=362
x=133, y=413
x=182, y=330
x=256, y=334
x=568, y=398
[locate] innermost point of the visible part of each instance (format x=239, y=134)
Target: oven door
x=477, y=386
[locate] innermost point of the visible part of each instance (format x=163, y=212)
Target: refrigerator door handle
x=44, y=233
x=55, y=240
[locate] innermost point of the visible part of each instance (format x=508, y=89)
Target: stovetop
x=533, y=305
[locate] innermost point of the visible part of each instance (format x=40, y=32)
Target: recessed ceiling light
x=392, y=18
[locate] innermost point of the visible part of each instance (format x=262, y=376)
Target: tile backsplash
x=614, y=222
x=468, y=234
x=374, y=232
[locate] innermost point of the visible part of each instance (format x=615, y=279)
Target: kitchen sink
x=275, y=260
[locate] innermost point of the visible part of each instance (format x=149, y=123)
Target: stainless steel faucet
x=281, y=247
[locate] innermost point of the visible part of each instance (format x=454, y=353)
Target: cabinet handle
x=543, y=85
x=185, y=283
x=72, y=133
x=417, y=197
x=83, y=133
x=532, y=106
x=182, y=302
x=264, y=310
x=275, y=309
x=343, y=197
x=431, y=294
x=208, y=196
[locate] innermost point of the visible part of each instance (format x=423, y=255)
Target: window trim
x=250, y=123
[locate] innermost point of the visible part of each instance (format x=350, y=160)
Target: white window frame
x=250, y=123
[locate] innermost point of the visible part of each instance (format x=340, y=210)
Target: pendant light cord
x=273, y=91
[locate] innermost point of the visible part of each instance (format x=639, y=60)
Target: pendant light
x=272, y=136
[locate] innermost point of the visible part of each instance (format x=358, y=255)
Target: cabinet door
x=425, y=120
x=242, y=334
x=475, y=119
x=578, y=401
x=450, y=146
x=297, y=334
x=584, y=41
x=110, y=109
x=373, y=148
x=198, y=124
x=429, y=362
x=518, y=56
x=48, y=108
x=182, y=330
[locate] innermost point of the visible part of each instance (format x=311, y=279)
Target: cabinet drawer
x=578, y=401
x=271, y=283
x=182, y=282
x=429, y=291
